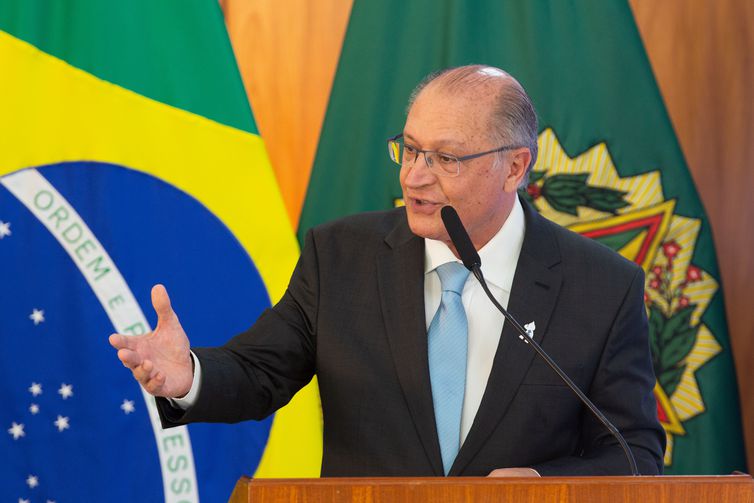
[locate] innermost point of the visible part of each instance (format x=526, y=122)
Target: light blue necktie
x=448, y=346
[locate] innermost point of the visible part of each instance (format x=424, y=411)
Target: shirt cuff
x=190, y=399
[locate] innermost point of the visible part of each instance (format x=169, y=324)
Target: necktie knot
x=452, y=276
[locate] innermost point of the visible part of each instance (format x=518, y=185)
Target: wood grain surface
x=729, y=489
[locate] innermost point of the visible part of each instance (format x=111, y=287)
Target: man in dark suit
x=362, y=306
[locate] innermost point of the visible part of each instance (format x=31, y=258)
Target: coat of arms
x=631, y=215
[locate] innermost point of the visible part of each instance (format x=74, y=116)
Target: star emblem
x=32, y=481
x=34, y=408
x=62, y=423
x=35, y=389
x=37, y=316
x=127, y=406
x=66, y=391
x=17, y=430
x=4, y=229
x=21, y=500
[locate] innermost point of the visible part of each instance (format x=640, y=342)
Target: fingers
x=161, y=303
x=120, y=341
x=143, y=370
x=140, y=368
x=155, y=384
x=129, y=358
x=514, y=472
x=134, y=351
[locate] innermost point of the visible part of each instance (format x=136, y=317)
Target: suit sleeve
x=259, y=370
x=623, y=389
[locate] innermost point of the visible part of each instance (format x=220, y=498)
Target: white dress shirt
x=190, y=398
x=499, y=258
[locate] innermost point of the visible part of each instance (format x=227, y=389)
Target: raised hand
x=159, y=360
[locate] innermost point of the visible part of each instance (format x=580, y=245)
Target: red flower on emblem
x=693, y=273
x=671, y=249
x=534, y=190
x=654, y=284
x=683, y=301
x=657, y=270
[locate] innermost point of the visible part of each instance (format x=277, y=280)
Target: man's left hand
x=514, y=472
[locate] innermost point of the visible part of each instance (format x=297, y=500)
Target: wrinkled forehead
x=461, y=94
x=446, y=119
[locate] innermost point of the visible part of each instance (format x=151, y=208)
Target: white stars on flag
x=37, y=316
x=17, y=430
x=4, y=229
x=32, y=481
x=35, y=389
x=127, y=406
x=62, y=423
x=66, y=391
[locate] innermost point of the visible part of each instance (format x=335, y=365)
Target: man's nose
x=419, y=173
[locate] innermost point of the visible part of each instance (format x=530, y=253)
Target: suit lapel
x=401, y=283
x=534, y=293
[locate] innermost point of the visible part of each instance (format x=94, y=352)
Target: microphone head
x=460, y=238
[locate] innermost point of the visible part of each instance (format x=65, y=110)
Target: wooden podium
x=665, y=489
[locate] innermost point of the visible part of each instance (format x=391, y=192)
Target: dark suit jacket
x=354, y=315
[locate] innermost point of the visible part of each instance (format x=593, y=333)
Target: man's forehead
x=471, y=95
x=469, y=104
x=477, y=79
x=447, y=139
x=446, y=121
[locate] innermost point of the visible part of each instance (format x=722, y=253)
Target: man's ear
x=520, y=160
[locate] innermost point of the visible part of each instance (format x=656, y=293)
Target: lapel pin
x=530, y=328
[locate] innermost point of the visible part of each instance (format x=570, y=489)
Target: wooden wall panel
x=702, y=53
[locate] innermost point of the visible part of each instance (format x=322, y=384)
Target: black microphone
x=460, y=238
x=471, y=260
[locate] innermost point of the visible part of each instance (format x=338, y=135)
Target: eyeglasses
x=439, y=162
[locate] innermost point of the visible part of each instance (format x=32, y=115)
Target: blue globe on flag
x=81, y=245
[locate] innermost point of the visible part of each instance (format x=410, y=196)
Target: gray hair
x=513, y=119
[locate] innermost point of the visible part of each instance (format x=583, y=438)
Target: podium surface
x=659, y=489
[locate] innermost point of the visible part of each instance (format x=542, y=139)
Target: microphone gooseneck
x=471, y=260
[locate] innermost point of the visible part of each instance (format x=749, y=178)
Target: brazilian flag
x=129, y=156
x=609, y=167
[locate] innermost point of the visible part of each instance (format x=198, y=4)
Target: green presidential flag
x=610, y=168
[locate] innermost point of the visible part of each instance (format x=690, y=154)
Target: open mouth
x=424, y=204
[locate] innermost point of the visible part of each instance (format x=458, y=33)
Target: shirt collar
x=499, y=256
